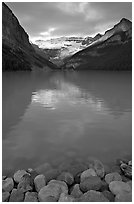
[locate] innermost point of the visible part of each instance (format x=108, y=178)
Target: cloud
x=53, y=19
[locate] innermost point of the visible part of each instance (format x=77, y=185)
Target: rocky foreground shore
x=74, y=182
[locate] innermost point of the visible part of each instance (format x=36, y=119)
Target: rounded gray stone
x=7, y=184
x=119, y=187
x=18, y=175
x=87, y=173
x=31, y=197
x=39, y=182
x=115, y=176
x=91, y=183
x=5, y=196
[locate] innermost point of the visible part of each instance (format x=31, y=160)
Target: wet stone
x=108, y=195
x=115, y=176
x=91, y=183
x=5, y=196
x=18, y=175
x=93, y=196
x=7, y=185
x=97, y=166
x=76, y=192
x=87, y=173
x=61, y=184
x=39, y=182
x=66, y=198
x=49, y=193
x=66, y=177
x=26, y=183
x=119, y=187
x=123, y=197
x=16, y=196
x=31, y=197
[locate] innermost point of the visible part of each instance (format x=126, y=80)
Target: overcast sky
x=53, y=19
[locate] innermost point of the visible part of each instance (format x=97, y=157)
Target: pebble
x=123, y=197
x=5, y=196
x=49, y=193
x=66, y=198
x=18, y=175
x=7, y=184
x=61, y=184
x=108, y=195
x=26, y=183
x=31, y=197
x=39, y=182
x=97, y=166
x=76, y=192
x=88, y=173
x=112, y=177
x=66, y=177
x=91, y=183
x=93, y=196
x=119, y=187
x=16, y=196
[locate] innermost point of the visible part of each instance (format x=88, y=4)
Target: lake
x=54, y=116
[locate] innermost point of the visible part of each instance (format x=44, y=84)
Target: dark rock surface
x=112, y=51
x=17, y=52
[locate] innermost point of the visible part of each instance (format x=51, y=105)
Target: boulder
x=87, y=173
x=93, y=196
x=26, y=183
x=123, y=197
x=18, y=175
x=16, y=196
x=5, y=196
x=108, y=195
x=66, y=198
x=31, y=197
x=66, y=177
x=91, y=183
x=7, y=184
x=97, y=166
x=119, y=187
x=104, y=186
x=76, y=192
x=112, y=177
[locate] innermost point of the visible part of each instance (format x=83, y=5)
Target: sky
x=45, y=20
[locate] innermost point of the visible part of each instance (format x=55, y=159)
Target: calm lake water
x=55, y=116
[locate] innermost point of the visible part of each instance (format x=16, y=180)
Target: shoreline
x=92, y=181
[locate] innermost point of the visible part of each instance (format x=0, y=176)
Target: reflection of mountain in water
x=112, y=89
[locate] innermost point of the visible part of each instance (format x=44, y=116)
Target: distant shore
x=76, y=182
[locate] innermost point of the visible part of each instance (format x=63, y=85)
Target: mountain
x=112, y=51
x=17, y=52
x=61, y=48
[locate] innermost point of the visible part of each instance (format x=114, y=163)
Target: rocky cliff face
x=112, y=51
x=17, y=52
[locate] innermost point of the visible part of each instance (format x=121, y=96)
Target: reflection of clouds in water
x=66, y=93
x=71, y=128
